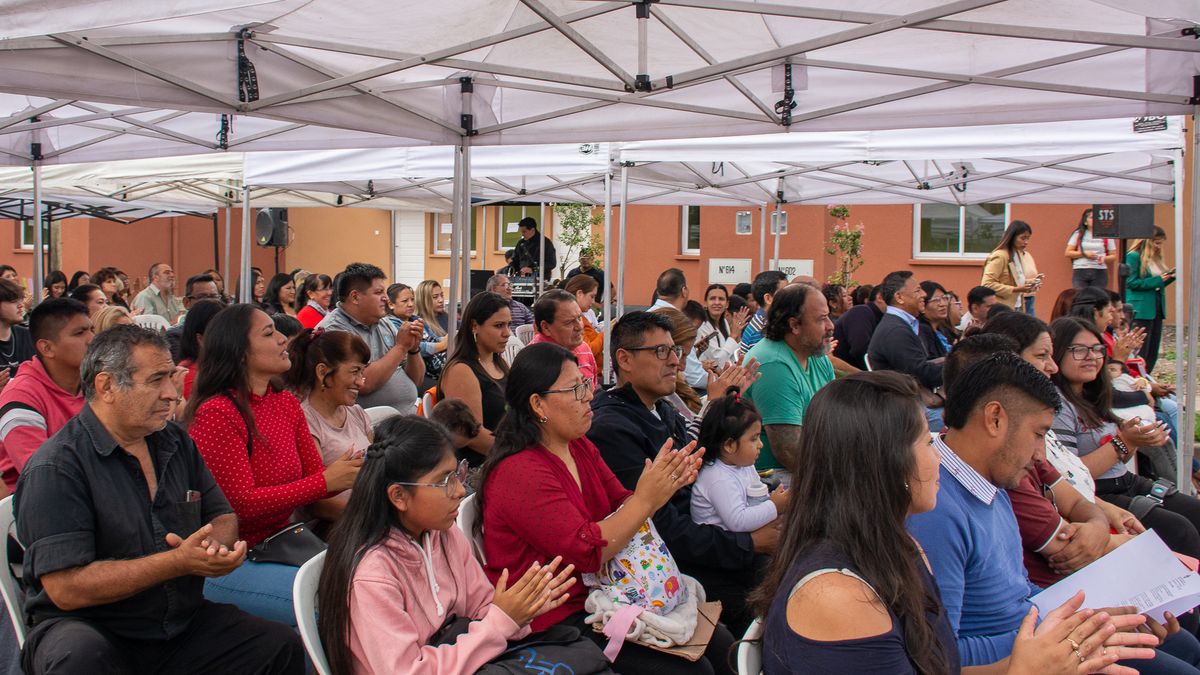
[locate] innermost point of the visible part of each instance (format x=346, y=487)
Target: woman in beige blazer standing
x=1011, y=271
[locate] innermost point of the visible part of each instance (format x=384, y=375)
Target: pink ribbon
x=617, y=629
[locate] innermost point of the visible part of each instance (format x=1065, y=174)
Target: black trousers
x=635, y=659
x=1153, y=340
x=1177, y=521
x=220, y=639
x=1085, y=278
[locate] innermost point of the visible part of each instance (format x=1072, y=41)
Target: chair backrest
x=468, y=514
x=867, y=362
x=427, y=403
x=152, y=321
x=8, y=583
x=380, y=413
x=304, y=600
x=749, y=654
x=525, y=332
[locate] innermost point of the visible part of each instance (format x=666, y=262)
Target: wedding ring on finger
x=1081, y=659
x=1074, y=644
x=674, y=477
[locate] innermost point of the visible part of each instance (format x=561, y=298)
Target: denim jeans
x=934, y=417
x=1028, y=305
x=1085, y=278
x=1168, y=412
x=1178, y=654
x=261, y=589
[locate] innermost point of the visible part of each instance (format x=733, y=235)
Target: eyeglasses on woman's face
x=661, y=351
x=580, y=390
x=1083, y=352
x=453, y=480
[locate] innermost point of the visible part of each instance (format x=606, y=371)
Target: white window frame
x=436, y=234
x=28, y=246
x=962, y=239
x=683, y=230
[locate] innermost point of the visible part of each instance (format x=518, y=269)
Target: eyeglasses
x=937, y=301
x=1081, y=352
x=453, y=481
x=661, y=351
x=581, y=390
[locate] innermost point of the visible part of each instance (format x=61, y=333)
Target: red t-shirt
x=534, y=510
x=284, y=471
x=1037, y=518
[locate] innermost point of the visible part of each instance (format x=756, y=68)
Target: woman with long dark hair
x=256, y=442
x=721, y=329
x=545, y=491
x=280, y=297
x=1090, y=255
x=55, y=285
x=849, y=590
x=1095, y=305
x=312, y=299
x=397, y=568
x=1010, y=270
x=476, y=373
x=1145, y=289
x=109, y=281
x=194, y=324
x=1088, y=428
x=402, y=304
x=79, y=278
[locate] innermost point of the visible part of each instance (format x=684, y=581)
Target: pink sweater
x=395, y=607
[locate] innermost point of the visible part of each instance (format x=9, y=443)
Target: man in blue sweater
x=998, y=411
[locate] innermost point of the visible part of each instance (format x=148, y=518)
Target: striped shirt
x=977, y=485
x=1081, y=440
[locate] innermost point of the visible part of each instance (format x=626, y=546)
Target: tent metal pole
x=1187, y=426
x=605, y=293
x=621, y=244
x=1184, y=469
x=762, y=239
x=245, y=284
x=468, y=229
x=777, y=220
x=39, y=263
x=483, y=230
x=543, y=227
x=225, y=271
x=456, y=229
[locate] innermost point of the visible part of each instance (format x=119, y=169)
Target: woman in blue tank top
x=849, y=590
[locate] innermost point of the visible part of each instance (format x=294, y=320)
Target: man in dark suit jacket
x=896, y=344
x=852, y=331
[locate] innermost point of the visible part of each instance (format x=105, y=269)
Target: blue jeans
x=1168, y=412
x=1028, y=308
x=934, y=417
x=261, y=589
x=1178, y=654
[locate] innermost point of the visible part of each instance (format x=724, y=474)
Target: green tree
x=575, y=231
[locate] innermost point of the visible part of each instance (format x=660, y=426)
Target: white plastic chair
x=749, y=654
x=151, y=321
x=867, y=362
x=427, y=404
x=304, y=600
x=525, y=333
x=468, y=514
x=380, y=413
x=8, y=583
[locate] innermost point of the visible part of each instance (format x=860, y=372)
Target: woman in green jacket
x=1148, y=277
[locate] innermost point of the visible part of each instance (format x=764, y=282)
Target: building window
x=442, y=231
x=510, y=215
x=27, y=235
x=945, y=230
x=690, y=230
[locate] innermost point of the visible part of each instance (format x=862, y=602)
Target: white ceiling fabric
x=552, y=71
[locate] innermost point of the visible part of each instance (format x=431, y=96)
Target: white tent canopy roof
x=1107, y=160
x=550, y=71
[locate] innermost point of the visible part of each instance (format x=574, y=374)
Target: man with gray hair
x=500, y=285
x=123, y=521
x=159, y=297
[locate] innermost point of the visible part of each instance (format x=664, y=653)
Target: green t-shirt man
x=784, y=389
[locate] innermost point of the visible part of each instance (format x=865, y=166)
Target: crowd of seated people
x=729, y=431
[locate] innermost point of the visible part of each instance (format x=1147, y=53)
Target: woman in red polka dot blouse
x=256, y=443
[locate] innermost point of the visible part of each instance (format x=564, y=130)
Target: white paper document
x=1143, y=572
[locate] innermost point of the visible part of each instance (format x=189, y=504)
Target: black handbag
x=558, y=649
x=293, y=545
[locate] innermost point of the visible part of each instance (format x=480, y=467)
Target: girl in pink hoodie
x=398, y=568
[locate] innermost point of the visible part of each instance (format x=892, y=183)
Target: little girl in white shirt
x=729, y=493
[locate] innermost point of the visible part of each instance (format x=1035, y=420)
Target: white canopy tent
x=492, y=72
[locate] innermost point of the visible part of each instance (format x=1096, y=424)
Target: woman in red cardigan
x=256, y=443
x=546, y=492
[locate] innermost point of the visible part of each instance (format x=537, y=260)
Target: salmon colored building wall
x=326, y=240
